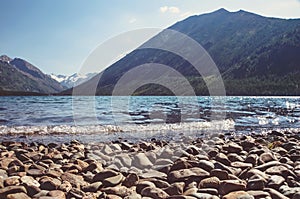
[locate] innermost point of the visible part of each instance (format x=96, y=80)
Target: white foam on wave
x=129, y=128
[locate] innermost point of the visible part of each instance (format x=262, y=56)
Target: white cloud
x=174, y=10
x=163, y=9
x=132, y=20
x=169, y=9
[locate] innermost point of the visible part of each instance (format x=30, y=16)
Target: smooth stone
x=35, y=172
x=222, y=158
x=3, y=174
x=125, y=146
x=296, y=196
x=227, y=186
x=180, y=164
x=206, y=165
x=212, y=182
x=104, y=174
x=204, y=196
x=153, y=174
x=277, y=170
x=142, y=185
x=125, y=159
x=32, y=190
x=29, y=181
x=253, y=172
x=255, y=184
x=259, y=194
x=76, y=193
x=233, y=157
x=275, y=194
x=233, y=148
x=65, y=186
x=266, y=157
x=82, y=164
x=230, y=170
x=131, y=180
x=11, y=190
x=267, y=165
x=289, y=191
x=221, y=174
x=275, y=181
x=186, y=174
x=1, y=183
x=5, y=162
x=106, y=150
x=121, y=191
x=180, y=197
x=241, y=165
x=112, y=196
x=159, y=183
x=164, y=162
x=252, y=158
x=48, y=183
x=94, y=166
x=113, y=181
x=12, y=181
x=134, y=196
x=190, y=191
x=141, y=161
x=57, y=194
x=258, y=151
x=193, y=150
x=75, y=180
x=42, y=193
x=238, y=195
x=154, y=192
x=175, y=188
x=54, y=173
x=94, y=187
x=18, y=196
x=167, y=153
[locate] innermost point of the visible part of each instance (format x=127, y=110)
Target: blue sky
x=58, y=35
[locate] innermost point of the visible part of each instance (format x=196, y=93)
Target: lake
x=104, y=118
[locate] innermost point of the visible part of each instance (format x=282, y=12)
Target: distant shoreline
x=21, y=93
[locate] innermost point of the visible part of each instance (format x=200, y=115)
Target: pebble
x=228, y=167
x=212, y=182
x=238, y=195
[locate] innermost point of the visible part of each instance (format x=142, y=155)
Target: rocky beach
x=228, y=167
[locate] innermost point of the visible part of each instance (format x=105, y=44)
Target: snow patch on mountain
x=72, y=80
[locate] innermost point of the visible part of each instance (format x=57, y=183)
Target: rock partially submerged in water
x=261, y=166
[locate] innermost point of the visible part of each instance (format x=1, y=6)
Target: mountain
x=255, y=55
x=72, y=80
x=19, y=76
x=5, y=58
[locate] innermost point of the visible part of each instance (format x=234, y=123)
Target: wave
x=128, y=128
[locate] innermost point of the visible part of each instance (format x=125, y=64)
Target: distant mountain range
x=256, y=55
x=72, y=80
x=19, y=77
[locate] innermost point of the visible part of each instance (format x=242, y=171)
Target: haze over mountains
x=255, y=55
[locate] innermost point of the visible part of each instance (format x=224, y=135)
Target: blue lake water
x=91, y=115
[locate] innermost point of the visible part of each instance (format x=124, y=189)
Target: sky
x=58, y=35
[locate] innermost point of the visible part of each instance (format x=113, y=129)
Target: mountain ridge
x=256, y=55
x=19, y=76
